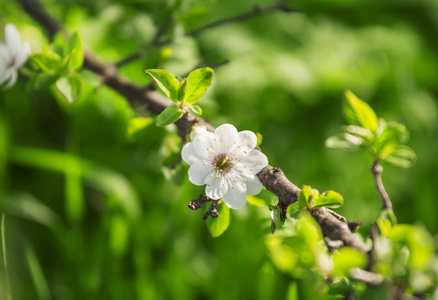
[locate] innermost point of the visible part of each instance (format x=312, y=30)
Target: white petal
x=253, y=185
x=217, y=188
x=188, y=154
x=12, y=37
x=13, y=79
x=247, y=139
x=5, y=57
x=205, y=144
x=228, y=136
x=196, y=130
x=235, y=198
x=5, y=75
x=198, y=172
x=254, y=162
x=22, y=55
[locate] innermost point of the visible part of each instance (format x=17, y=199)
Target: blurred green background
x=94, y=211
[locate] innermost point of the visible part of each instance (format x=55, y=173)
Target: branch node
x=354, y=225
x=212, y=210
x=333, y=245
x=197, y=203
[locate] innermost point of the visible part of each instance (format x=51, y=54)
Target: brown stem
x=377, y=170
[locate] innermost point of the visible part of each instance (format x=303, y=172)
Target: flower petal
x=12, y=37
x=196, y=130
x=227, y=134
x=198, y=172
x=235, y=198
x=217, y=188
x=254, y=162
x=253, y=185
x=205, y=144
x=189, y=154
x=22, y=55
x=247, y=139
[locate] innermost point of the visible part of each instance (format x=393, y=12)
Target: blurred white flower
x=12, y=55
x=226, y=162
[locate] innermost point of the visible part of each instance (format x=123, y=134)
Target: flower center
x=222, y=163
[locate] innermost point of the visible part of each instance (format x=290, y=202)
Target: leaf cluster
x=184, y=93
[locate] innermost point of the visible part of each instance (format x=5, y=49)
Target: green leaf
x=167, y=83
x=70, y=87
x=169, y=115
x=195, y=109
x=218, y=226
x=329, y=199
x=361, y=132
x=305, y=195
x=277, y=218
x=344, y=141
x=182, y=90
x=359, y=112
x=47, y=61
x=90, y=77
x=389, y=139
x=74, y=48
x=259, y=139
x=347, y=258
x=402, y=157
x=44, y=80
x=198, y=82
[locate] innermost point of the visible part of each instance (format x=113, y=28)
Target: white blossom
x=12, y=55
x=226, y=162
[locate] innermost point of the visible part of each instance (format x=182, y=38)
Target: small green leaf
x=361, y=132
x=195, y=109
x=359, y=112
x=74, y=48
x=259, y=139
x=167, y=83
x=329, y=199
x=293, y=210
x=277, y=218
x=90, y=77
x=44, y=80
x=169, y=115
x=402, y=157
x=391, y=136
x=182, y=90
x=198, y=82
x=218, y=226
x=347, y=258
x=344, y=141
x=70, y=87
x=305, y=195
x=47, y=61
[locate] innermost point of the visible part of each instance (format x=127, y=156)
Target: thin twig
x=155, y=42
x=257, y=11
x=377, y=170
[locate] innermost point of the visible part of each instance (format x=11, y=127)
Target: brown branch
x=377, y=170
x=335, y=229
x=272, y=178
x=366, y=276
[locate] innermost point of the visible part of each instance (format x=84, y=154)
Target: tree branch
x=377, y=170
x=272, y=178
